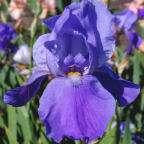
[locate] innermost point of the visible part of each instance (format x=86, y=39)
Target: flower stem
x=31, y=60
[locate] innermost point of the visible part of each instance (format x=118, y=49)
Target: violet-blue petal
x=55, y=48
x=141, y=13
x=39, y=51
x=21, y=95
x=77, y=112
x=7, y=33
x=80, y=60
x=44, y=54
x=92, y=20
x=1, y=46
x=69, y=43
x=124, y=91
x=125, y=20
x=135, y=40
x=69, y=60
x=50, y=23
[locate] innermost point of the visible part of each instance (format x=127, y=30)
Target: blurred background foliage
x=22, y=125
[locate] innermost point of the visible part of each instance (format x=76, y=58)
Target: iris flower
x=7, y=33
x=80, y=101
x=135, y=40
x=126, y=22
x=141, y=13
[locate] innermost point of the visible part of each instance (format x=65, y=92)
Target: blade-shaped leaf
x=109, y=138
x=127, y=134
x=12, y=120
x=24, y=122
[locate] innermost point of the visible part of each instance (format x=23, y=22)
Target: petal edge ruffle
x=76, y=112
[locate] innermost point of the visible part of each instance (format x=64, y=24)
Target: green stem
x=31, y=60
x=43, y=28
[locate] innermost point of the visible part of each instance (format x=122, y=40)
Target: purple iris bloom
x=141, y=13
x=125, y=20
x=7, y=33
x=135, y=40
x=80, y=101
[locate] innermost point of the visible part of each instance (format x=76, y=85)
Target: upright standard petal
x=76, y=111
x=21, y=95
x=91, y=19
x=124, y=91
x=39, y=52
x=50, y=50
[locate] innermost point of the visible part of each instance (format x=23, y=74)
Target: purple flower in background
x=141, y=13
x=7, y=33
x=80, y=101
x=125, y=20
x=135, y=40
x=135, y=137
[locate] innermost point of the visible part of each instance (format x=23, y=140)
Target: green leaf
x=120, y=53
x=2, y=54
x=10, y=136
x=1, y=122
x=12, y=79
x=33, y=27
x=127, y=134
x=109, y=125
x=77, y=142
x=32, y=4
x=142, y=100
x=12, y=120
x=24, y=123
x=136, y=68
x=60, y=5
x=44, y=137
x=19, y=79
x=109, y=138
x=3, y=73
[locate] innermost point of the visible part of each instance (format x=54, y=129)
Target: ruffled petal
x=21, y=95
x=76, y=111
x=124, y=91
